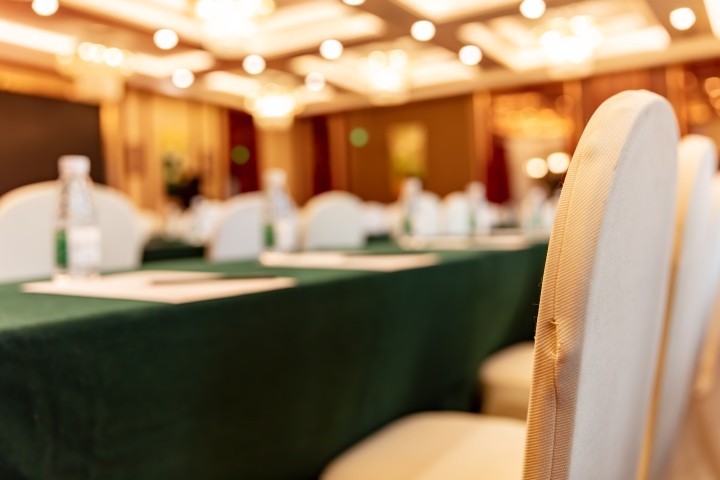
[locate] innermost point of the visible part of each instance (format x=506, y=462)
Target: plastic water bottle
x=281, y=230
x=409, y=201
x=77, y=234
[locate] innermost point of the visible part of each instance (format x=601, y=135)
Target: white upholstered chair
x=505, y=377
x=333, y=220
x=455, y=214
x=238, y=233
x=375, y=219
x=599, y=326
x=27, y=230
x=689, y=296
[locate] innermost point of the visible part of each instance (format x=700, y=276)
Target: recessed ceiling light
x=254, y=64
x=536, y=168
x=315, y=81
x=682, y=18
x=331, y=49
x=45, y=8
x=470, y=55
x=183, y=78
x=532, y=9
x=354, y=3
x=422, y=30
x=165, y=39
x=558, y=162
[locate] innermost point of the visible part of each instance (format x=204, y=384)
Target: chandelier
x=228, y=24
x=98, y=71
x=273, y=107
x=570, y=43
x=387, y=76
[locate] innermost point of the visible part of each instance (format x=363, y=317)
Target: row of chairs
x=630, y=275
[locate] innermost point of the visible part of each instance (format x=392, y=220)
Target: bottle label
x=82, y=248
x=61, y=249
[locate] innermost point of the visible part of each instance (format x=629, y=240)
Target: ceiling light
x=532, y=9
x=273, y=108
x=387, y=76
x=470, y=55
x=227, y=24
x=98, y=71
x=558, y=162
x=682, y=18
x=331, y=49
x=183, y=78
x=254, y=64
x=45, y=8
x=315, y=81
x=165, y=39
x=536, y=168
x=353, y=3
x=422, y=30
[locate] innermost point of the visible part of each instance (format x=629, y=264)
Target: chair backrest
x=603, y=295
x=455, y=214
x=686, y=316
x=333, y=220
x=239, y=232
x=27, y=230
x=707, y=375
x=427, y=217
x=375, y=219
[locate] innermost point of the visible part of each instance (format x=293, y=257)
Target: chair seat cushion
x=505, y=380
x=436, y=446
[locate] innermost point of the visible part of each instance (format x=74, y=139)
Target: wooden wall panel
x=450, y=147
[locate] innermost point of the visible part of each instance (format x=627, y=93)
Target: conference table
x=270, y=385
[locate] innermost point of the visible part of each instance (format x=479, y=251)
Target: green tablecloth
x=162, y=249
x=265, y=386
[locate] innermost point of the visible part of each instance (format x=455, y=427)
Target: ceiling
x=626, y=34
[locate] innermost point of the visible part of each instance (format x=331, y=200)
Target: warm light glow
x=353, y=3
x=422, y=30
x=682, y=18
x=331, y=49
x=45, y=8
x=165, y=39
x=114, y=57
x=254, y=64
x=713, y=12
x=387, y=76
x=558, y=162
x=536, y=168
x=183, y=78
x=470, y=55
x=315, y=81
x=273, y=108
x=571, y=41
x=227, y=24
x=532, y=9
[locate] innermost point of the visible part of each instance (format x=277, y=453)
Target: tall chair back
x=688, y=298
x=333, y=220
x=238, y=233
x=603, y=296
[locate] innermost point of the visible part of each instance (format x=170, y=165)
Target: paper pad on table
x=478, y=242
x=162, y=286
x=342, y=261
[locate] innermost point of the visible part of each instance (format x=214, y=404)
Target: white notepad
x=162, y=286
x=344, y=261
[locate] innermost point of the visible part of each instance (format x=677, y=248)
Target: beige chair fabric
x=601, y=314
x=505, y=380
x=708, y=372
x=437, y=446
x=603, y=296
x=687, y=304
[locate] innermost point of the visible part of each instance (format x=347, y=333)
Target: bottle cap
x=74, y=165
